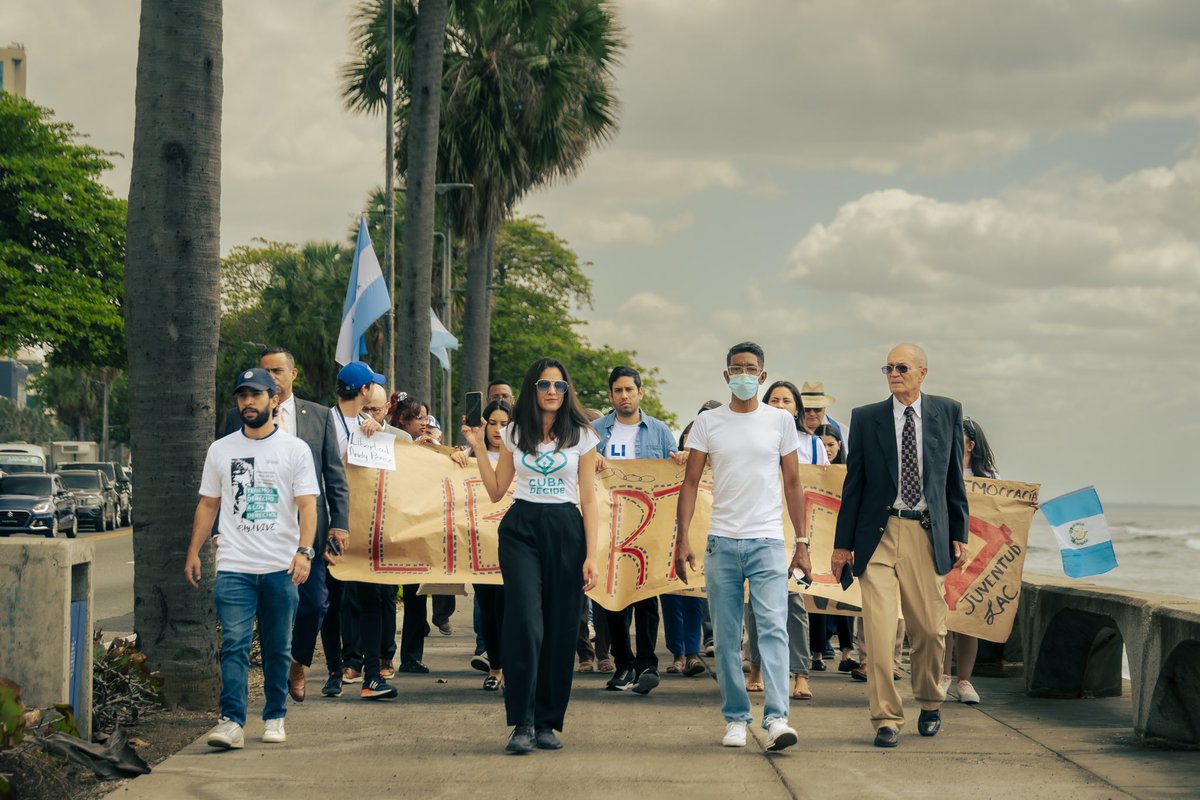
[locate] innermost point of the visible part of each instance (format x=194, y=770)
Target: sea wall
x=1072, y=636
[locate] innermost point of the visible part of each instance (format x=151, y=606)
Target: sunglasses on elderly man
x=887, y=369
x=559, y=386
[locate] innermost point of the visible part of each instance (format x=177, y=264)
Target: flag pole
x=389, y=197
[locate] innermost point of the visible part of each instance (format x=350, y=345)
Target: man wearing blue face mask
x=749, y=444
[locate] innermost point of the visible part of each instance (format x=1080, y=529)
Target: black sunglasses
x=559, y=386
x=886, y=369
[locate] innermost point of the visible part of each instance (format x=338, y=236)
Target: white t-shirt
x=549, y=475
x=811, y=449
x=345, y=426
x=623, y=441
x=258, y=481
x=744, y=451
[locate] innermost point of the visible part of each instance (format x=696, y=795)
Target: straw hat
x=812, y=395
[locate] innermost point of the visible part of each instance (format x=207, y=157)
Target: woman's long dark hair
x=829, y=430
x=527, y=416
x=403, y=408
x=983, y=461
x=495, y=405
x=791, y=387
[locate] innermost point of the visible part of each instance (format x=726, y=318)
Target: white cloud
x=627, y=227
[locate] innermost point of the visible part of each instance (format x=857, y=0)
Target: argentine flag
x=1082, y=532
x=366, y=299
x=441, y=340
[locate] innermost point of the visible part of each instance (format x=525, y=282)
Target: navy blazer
x=872, y=478
x=315, y=425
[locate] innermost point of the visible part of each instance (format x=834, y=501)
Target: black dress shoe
x=817, y=666
x=414, y=666
x=546, y=740
x=887, y=737
x=929, y=722
x=521, y=741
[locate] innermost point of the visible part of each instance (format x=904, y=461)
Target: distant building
x=12, y=69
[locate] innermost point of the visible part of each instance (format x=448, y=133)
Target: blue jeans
x=682, y=617
x=240, y=597
x=728, y=564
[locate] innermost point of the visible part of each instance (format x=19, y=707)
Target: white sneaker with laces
x=227, y=735
x=780, y=735
x=967, y=693
x=274, y=733
x=944, y=683
x=735, y=734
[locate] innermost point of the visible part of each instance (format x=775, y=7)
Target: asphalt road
x=112, y=581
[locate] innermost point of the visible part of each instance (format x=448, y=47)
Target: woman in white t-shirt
x=978, y=461
x=547, y=548
x=496, y=417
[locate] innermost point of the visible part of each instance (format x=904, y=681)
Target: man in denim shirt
x=629, y=433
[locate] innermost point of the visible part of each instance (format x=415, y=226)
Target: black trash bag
x=113, y=760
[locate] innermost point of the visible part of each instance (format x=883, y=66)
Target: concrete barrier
x=1073, y=637
x=46, y=622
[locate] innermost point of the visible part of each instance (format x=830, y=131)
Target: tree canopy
x=62, y=241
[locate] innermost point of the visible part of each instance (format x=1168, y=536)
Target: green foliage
x=62, y=241
x=12, y=715
x=538, y=280
x=65, y=721
x=27, y=424
x=76, y=394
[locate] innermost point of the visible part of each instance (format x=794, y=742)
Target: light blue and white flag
x=366, y=299
x=440, y=340
x=1082, y=532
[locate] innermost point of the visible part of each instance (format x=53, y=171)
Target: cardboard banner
x=431, y=522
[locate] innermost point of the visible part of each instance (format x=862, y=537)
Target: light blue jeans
x=240, y=597
x=728, y=565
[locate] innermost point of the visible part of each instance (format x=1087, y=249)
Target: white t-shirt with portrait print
x=744, y=451
x=548, y=475
x=258, y=481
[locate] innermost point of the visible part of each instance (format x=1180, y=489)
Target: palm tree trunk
x=412, y=319
x=477, y=317
x=171, y=319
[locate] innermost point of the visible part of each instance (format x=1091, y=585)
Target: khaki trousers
x=902, y=565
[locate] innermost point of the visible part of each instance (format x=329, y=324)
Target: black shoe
x=546, y=740
x=376, y=688
x=333, y=686
x=818, y=666
x=521, y=741
x=847, y=664
x=414, y=666
x=622, y=680
x=929, y=722
x=646, y=681
x=480, y=662
x=887, y=737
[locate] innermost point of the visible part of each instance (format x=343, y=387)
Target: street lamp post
x=447, y=269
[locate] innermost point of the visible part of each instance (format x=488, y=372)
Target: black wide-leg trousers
x=542, y=549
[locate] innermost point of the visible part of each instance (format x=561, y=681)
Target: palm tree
x=527, y=92
x=172, y=302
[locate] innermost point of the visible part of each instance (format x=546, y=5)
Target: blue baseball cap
x=257, y=379
x=358, y=374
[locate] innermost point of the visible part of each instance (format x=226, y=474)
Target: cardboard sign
x=377, y=451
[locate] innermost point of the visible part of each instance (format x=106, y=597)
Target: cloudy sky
x=1014, y=185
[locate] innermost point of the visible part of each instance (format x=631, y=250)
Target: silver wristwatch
x=308, y=551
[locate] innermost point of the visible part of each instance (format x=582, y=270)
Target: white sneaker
x=274, y=733
x=735, y=734
x=967, y=693
x=780, y=735
x=944, y=684
x=227, y=735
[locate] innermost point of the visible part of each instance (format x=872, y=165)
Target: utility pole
x=389, y=196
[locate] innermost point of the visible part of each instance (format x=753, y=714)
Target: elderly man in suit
x=901, y=527
x=312, y=423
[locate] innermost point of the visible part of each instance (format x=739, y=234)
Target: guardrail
x=1072, y=635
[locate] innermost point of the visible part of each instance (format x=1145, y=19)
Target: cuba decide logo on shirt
x=546, y=464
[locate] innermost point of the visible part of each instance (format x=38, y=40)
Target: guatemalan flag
x=441, y=341
x=366, y=299
x=1082, y=532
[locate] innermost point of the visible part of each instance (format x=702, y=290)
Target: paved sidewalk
x=444, y=738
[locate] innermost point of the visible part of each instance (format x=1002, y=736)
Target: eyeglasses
x=559, y=386
x=814, y=411
x=738, y=369
x=373, y=409
x=887, y=369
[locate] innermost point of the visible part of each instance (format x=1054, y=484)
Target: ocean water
x=1157, y=547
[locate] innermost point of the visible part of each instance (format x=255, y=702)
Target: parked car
x=37, y=503
x=96, y=497
x=116, y=476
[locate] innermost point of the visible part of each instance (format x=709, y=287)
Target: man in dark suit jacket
x=901, y=527
x=312, y=423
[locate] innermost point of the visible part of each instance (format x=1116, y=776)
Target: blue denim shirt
x=654, y=438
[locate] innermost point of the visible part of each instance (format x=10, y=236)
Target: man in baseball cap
x=357, y=374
